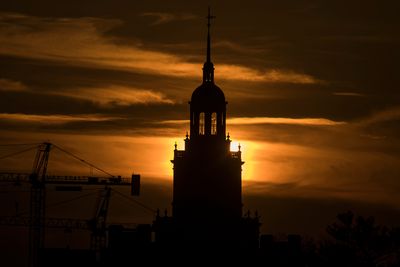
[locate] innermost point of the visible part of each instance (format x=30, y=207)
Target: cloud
x=389, y=114
x=273, y=76
x=82, y=42
x=112, y=95
x=239, y=48
x=55, y=119
x=383, y=124
x=269, y=120
x=347, y=94
x=116, y=96
x=162, y=18
x=296, y=121
x=10, y=85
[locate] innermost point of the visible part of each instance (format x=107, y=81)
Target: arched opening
x=202, y=124
x=214, y=123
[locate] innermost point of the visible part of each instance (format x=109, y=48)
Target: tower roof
x=208, y=95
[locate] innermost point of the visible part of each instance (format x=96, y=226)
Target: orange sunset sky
x=312, y=91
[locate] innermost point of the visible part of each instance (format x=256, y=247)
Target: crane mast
x=98, y=223
x=37, y=203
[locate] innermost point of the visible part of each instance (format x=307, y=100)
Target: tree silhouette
x=359, y=241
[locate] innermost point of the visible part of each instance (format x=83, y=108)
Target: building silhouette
x=207, y=182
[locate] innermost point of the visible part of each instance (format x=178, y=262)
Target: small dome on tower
x=209, y=96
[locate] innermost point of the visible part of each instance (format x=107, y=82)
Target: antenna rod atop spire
x=209, y=17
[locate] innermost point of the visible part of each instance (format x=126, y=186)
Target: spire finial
x=209, y=18
x=208, y=69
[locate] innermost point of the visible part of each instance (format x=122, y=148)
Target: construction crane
x=97, y=225
x=38, y=180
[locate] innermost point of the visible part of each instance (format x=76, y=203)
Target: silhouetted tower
x=207, y=196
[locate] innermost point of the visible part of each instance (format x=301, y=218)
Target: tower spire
x=209, y=17
x=208, y=69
